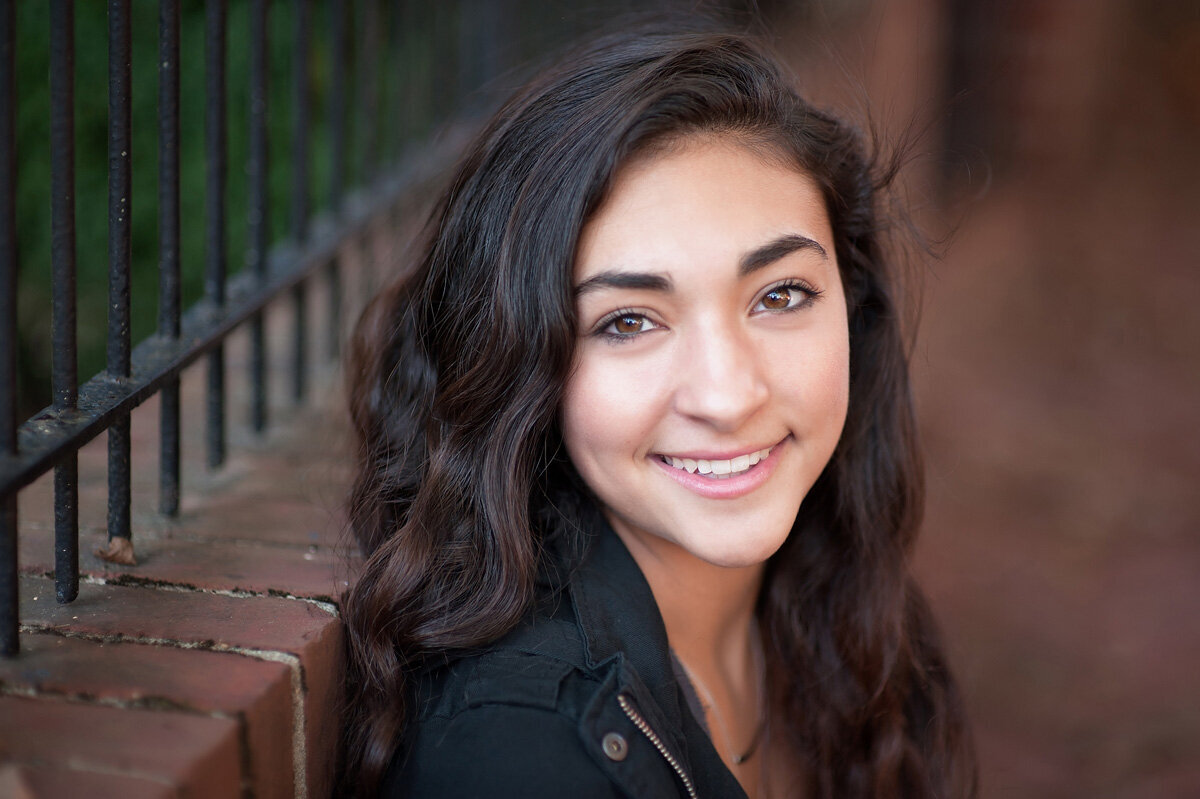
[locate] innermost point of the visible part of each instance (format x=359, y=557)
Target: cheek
x=818, y=387
x=609, y=410
x=837, y=375
x=580, y=416
x=592, y=411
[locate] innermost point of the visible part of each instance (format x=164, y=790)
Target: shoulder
x=501, y=723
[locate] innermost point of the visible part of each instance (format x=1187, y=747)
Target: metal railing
x=468, y=36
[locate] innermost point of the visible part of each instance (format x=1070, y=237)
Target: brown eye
x=627, y=324
x=777, y=299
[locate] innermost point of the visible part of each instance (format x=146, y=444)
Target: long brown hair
x=456, y=374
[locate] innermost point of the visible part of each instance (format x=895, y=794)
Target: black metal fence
x=447, y=51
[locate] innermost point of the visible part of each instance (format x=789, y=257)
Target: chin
x=745, y=553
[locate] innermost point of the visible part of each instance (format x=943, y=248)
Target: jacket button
x=615, y=747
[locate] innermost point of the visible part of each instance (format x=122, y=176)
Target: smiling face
x=712, y=369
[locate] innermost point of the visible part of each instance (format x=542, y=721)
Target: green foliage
x=91, y=161
x=410, y=64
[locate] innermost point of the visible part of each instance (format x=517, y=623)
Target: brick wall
x=212, y=667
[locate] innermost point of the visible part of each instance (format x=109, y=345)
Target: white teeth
x=716, y=468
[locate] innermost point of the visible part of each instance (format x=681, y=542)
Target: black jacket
x=579, y=701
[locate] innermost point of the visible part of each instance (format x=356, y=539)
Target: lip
x=730, y=487
x=710, y=455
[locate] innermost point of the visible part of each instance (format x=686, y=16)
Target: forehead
x=700, y=200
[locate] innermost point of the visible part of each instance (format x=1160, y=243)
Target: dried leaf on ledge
x=119, y=550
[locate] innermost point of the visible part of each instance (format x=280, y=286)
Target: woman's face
x=712, y=370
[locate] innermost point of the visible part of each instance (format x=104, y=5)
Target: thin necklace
x=708, y=697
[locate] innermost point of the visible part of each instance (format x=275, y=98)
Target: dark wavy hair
x=456, y=375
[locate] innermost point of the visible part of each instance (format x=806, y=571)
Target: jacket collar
x=620, y=624
x=618, y=615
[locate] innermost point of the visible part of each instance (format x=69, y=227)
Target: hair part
x=456, y=374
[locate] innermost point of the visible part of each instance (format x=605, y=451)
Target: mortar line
x=133, y=581
x=299, y=737
x=83, y=698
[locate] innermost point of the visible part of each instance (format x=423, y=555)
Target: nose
x=721, y=379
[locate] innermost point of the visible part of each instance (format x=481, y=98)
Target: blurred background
x=1057, y=363
x=1053, y=161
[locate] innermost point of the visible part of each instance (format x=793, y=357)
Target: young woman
x=639, y=476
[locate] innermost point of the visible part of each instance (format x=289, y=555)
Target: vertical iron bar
x=337, y=171
x=66, y=529
x=215, y=158
x=443, y=61
x=9, y=599
x=168, y=245
x=366, y=59
x=394, y=127
x=470, y=56
x=119, y=206
x=300, y=122
x=333, y=277
x=65, y=370
x=422, y=99
x=366, y=263
x=367, y=76
x=405, y=71
x=257, y=232
x=337, y=105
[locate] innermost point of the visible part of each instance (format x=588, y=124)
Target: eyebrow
x=752, y=261
x=772, y=251
x=623, y=280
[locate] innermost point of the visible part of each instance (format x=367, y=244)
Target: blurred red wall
x=1057, y=365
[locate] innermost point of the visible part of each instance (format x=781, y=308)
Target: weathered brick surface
x=323, y=674
x=304, y=571
x=268, y=626
x=210, y=627
x=256, y=693
x=29, y=782
x=198, y=755
x=213, y=621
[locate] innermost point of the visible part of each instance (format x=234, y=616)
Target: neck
x=708, y=610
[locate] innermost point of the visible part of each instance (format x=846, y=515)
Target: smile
x=717, y=469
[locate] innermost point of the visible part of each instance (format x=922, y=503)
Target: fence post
x=168, y=245
x=215, y=158
x=257, y=232
x=8, y=324
x=120, y=202
x=64, y=370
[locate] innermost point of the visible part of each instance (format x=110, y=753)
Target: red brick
x=213, y=622
x=324, y=672
x=15, y=782
x=27, y=782
x=257, y=692
x=215, y=566
x=198, y=754
x=262, y=517
x=266, y=517
x=303, y=464
x=268, y=521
